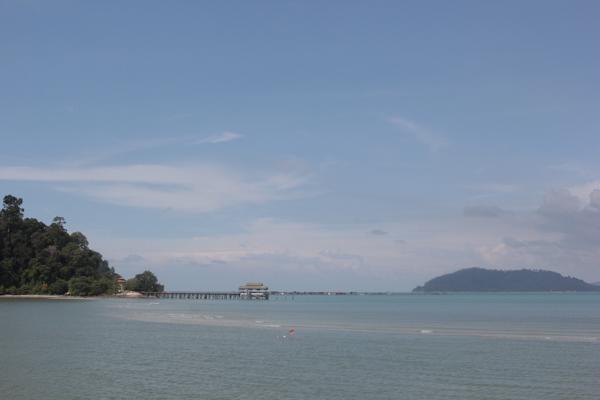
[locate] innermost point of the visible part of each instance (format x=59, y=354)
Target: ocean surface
x=460, y=346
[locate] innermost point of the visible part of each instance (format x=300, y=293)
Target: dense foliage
x=144, y=282
x=36, y=258
x=486, y=280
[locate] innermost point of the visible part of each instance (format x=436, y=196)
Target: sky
x=339, y=145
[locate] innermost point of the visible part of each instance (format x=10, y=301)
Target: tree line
x=36, y=258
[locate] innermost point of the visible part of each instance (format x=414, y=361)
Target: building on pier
x=254, y=290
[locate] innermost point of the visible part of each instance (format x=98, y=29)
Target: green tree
x=144, y=282
x=59, y=286
x=12, y=209
x=40, y=258
x=80, y=286
x=59, y=221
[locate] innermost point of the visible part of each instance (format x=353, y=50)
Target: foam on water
x=517, y=333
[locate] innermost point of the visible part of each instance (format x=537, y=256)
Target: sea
x=458, y=346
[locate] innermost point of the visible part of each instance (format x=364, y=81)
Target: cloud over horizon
x=564, y=235
x=193, y=187
x=321, y=255
x=561, y=234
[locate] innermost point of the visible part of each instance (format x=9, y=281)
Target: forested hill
x=36, y=258
x=486, y=280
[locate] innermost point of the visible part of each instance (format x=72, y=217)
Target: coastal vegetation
x=36, y=258
x=488, y=280
x=144, y=282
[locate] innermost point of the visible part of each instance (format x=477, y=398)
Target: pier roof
x=253, y=285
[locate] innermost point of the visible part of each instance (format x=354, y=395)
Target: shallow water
x=463, y=346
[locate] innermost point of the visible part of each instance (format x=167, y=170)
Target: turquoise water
x=463, y=346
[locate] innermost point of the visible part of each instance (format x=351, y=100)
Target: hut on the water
x=254, y=290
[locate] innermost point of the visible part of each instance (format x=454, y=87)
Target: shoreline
x=43, y=297
x=124, y=295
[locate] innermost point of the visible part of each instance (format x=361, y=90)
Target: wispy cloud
x=484, y=211
x=195, y=188
x=96, y=156
x=432, y=140
x=492, y=190
x=378, y=232
x=220, y=138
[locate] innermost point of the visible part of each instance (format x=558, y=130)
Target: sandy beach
x=124, y=295
x=42, y=297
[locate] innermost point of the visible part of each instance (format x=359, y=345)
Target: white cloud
x=557, y=202
x=220, y=138
x=96, y=155
x=303, y=256
x=290, y=255
x=583, y=191
x=195, y=188
x=564, y=235
x=432, y=140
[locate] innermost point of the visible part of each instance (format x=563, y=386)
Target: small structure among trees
x=120, y=284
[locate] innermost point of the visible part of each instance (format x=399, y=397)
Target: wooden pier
x=201, y=295
x=249, y=291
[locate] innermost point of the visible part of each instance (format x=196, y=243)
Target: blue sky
x=310, y=145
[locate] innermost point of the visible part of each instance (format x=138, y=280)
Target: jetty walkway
x=203, y=295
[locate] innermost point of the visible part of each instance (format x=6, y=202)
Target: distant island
x=489, y=280
x=40, y=259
